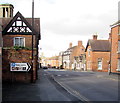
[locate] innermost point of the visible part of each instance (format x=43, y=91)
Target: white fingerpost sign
x=20, y=67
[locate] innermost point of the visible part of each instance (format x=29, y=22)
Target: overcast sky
x=65, y=21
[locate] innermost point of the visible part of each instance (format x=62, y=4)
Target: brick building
x=97, y=54
x=17, y=45
x=115, y=47
x=70, y=54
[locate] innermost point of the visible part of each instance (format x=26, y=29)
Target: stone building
x=17, y=31
x=60, y=60
x=70, y=54
x=97, y=54
x=115, y=47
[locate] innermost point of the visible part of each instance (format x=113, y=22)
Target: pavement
x=45, y=89
x=106, y=75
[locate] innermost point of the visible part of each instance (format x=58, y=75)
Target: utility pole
x=32, y=40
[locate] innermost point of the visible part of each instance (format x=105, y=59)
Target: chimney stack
x=70, y=45
x=79, y=43
x=95, y=37
x=6, y=10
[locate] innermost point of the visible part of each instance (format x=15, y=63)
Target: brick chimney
x=95, y=37
x=70, y=45
x=79, y=43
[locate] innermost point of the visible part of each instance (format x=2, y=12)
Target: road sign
x=20, y=67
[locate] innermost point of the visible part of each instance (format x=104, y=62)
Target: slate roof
x=99, y=45
x=68, y=51
x=54, y=58
x=71, y=48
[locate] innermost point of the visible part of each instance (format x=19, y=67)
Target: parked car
x=45, y=67
x=53, y=66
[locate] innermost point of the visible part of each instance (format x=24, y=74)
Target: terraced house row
x=98, y=55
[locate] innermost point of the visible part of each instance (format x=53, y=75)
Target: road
x=64, y=85
x=45, y=90
x=88, y=86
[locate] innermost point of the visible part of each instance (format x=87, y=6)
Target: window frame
x=118, y=46
x=118, y=66
x=19, y=41
x=100, y=60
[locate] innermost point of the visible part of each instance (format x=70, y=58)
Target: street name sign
x=20, y=67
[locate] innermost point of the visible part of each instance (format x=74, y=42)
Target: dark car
x=45, y=67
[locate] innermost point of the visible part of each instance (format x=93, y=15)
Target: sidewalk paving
x=42, y=90
x=112, y=76
x=106, y=75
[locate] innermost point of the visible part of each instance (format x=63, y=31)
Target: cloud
x=74, y=18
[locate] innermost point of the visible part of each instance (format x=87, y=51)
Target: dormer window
x=19, y=41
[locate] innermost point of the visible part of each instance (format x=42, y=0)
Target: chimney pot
x=70, y=45
x=95, y=37
x=79, y=43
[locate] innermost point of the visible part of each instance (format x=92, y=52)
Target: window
x=118, y=46
x=99, y=63
x=19, y=41
x=118, y=69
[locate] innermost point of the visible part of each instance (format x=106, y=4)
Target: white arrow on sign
x=29, y=67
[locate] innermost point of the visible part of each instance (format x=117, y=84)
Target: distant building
x=52, y=62
x=97, y=54
x=60, y=60
x=66, y=58
x=115, y=47
x=80, y=62
x=70, y=54
x=17, y=46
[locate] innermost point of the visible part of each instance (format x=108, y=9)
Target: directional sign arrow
x=29, y=67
